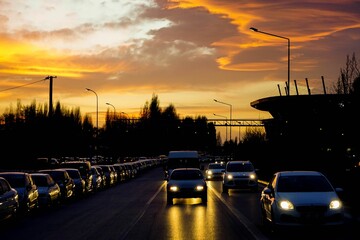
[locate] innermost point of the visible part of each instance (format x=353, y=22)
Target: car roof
x=239, y=162
x=302, y=173
x=184, y=169
x=13, y=173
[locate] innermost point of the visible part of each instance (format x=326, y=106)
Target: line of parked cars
x=23, y=192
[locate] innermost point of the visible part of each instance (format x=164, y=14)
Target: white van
x=181, y=159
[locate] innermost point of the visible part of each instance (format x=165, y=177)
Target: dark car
x=186, y=183
x=49, y=190
x=110, y=175
x=9, y=200
x=97, y=178
x=63, y=179
x=78, y=181
x=26, y=188
x=84, y=168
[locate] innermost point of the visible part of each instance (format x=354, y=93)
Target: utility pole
x=50, y=94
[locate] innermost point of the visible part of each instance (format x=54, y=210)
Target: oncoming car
x=215, y=171
x=300, y=198
x=239, y=175
x=186, y=183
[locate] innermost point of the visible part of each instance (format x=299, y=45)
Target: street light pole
x=288, y=40
x=112, y=106
x=226, y=124
x=230, y=113
x=97, y=109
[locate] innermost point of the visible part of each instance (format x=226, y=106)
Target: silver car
x=300, y=198
x=239, y=175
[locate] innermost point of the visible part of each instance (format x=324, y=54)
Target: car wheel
x=204, y=199
x=225, y=189
x=169, y=200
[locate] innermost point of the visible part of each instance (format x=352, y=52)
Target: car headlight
x=229, y=176
x=209, y=172
x=335, y=204
x=252, y=176
x=199, y=188
x=174, y=188
x=286, y=205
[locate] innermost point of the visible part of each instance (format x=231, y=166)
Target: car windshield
x=186, y=175
x=40, y=181
x=216, y=166
x=303, y=184
x=240, y=168
x=16, y=181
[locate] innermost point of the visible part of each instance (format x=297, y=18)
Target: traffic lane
x=247, y=204
x=188, y=219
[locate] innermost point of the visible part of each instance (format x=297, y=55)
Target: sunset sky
x=186, y=52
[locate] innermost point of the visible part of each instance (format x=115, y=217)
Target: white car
x=240, y=175
x=215, y=171
x=300, y=198
x=186, y=183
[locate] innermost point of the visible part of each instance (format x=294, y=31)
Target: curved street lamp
x=230, y=113
x=226, y=124
x=97, y=108
x=112, y=106
x=288, y=39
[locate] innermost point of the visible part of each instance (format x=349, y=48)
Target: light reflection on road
x=190, y=219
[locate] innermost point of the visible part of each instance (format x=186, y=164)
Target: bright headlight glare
x=199, y=188
x=173, y=188
x=286, y=205
x=229, y=177
x=335, y=204
x=209, y=172
x=252, y=176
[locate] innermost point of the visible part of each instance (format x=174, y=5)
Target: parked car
x=300, y=198
x=121, y=172
x=49, y=190
x=239, y=175
x=109, y=173
x=65, y=182
x=103, y=176
x=186, y=183
x=96, y=178
x=84, y=168
x=9, y=201
x=79, y=182
x=215, y=171
x=26, y=189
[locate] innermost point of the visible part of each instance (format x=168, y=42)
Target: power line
x=22, y=85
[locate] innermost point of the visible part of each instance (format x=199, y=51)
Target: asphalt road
x=137, y=210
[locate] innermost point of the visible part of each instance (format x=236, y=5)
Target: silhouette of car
x=65, y=182
x=79, y=182
x=9, y=201
x=27, y=190
x=300, y=198
x=96, y=178
x=186, y=183
x=84, y=168
x=49, y=190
